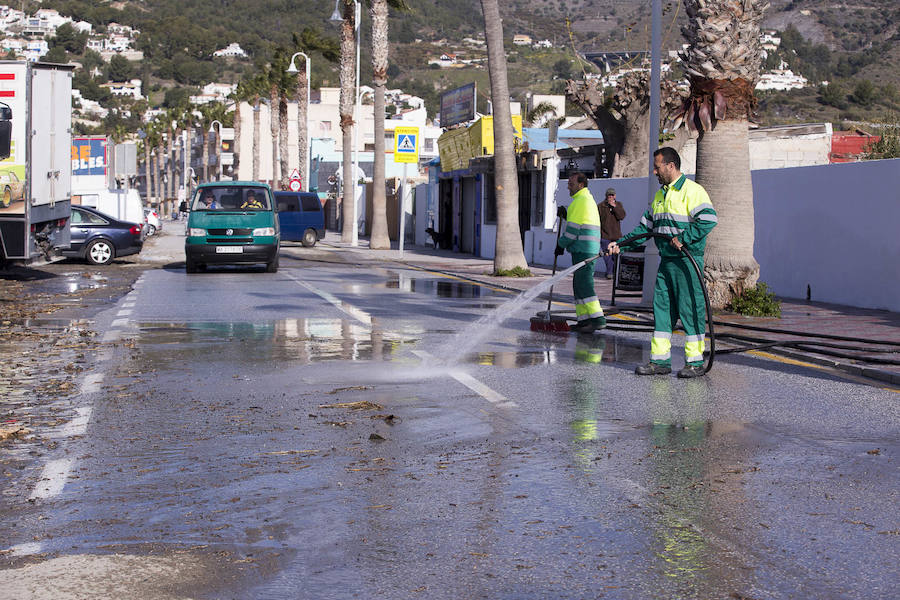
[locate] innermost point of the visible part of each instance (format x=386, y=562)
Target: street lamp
x=336, y=16
x=218, y=146
x=293, y=69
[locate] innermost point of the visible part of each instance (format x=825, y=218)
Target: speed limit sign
x=294, y=184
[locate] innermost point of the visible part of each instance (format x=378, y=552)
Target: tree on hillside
x=120, y=69
x=378, y=10
x=509, y=253
x=308, y=41
x=69, y=38
x=346, y=104
x=722, y=62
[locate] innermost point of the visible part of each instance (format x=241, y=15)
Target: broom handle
x=558, y=231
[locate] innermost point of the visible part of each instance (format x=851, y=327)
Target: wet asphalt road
x=331, y=431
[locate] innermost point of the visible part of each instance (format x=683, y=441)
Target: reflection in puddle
x=439, y=287
x=556, y=349
x=301, y=341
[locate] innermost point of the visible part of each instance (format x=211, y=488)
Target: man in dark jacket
x=611, y=213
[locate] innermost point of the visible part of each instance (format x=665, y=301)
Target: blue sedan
x=98, y=238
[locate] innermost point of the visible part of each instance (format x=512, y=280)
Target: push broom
x=550, y=322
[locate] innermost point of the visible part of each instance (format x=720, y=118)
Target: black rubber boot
x=651, y=368
x=690, y=371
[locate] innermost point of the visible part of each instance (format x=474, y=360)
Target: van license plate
x=229, y=249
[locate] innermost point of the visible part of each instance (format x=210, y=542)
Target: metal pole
x=308, y=132
x=651, y=254
x=403, y=186
x=354, y=239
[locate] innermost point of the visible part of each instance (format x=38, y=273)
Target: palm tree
x=308, y=41
x=204, y=120
x=275, y=76
x=240, y=95
x=509, y=253
x=541, y=114
x=378, y=10
x=347, y=102
x=723, y=61
x=171, y=117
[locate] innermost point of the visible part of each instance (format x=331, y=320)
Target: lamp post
x=218, y=146
x=308, y=141
x=336, y=16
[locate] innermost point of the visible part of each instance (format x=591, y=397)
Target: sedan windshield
x=231, y=198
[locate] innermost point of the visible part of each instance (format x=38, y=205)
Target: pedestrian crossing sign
x=406, y=145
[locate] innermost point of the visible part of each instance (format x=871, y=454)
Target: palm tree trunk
x=236, y=149
x=155, y=174
x=160, y=165
x=723, y=169
x=283, y=139
x=170, y=172
x=380, y=239
x=256, y=109
x=347, y=102
x=302, y=129
x=273, y=131
x=148, y=196
x=509, y=252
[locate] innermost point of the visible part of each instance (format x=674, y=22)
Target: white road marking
x=473, y=384
x=26, y=549
x=113, y=335
x=358, y=314
x=124, y=312
x=78, y=425
x=53, y=479
x=119, y=323
x=91, y=383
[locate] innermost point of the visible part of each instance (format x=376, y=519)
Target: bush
x=757, y=302
x=514, y=272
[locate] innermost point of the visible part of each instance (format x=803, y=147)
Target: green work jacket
x=582, y=232
x=682, y=209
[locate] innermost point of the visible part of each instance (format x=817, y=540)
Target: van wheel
x=309, y=238
x=272, y=266
x=190, y=266
x=100, y=252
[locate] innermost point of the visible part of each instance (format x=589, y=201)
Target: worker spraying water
x=680, y=209
x=582, y=239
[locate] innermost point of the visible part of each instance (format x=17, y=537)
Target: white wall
x=831, y=227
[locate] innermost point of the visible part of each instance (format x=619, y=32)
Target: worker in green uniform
x=681, y=209
x=582, y=239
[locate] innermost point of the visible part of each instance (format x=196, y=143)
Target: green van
x=232, y=222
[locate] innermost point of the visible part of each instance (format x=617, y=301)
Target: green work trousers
x=587, y=305
x=678, y=294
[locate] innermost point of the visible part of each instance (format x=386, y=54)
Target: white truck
x=35, y=160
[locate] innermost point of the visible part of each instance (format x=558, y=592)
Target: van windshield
x=231, y=198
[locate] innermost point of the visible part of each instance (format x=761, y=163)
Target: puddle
x=300, y=341
x=440, y=288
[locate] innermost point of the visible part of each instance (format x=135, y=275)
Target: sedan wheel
x=151, y=229
x=100, y=252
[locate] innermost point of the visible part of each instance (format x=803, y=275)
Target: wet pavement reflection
x=299, y=341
